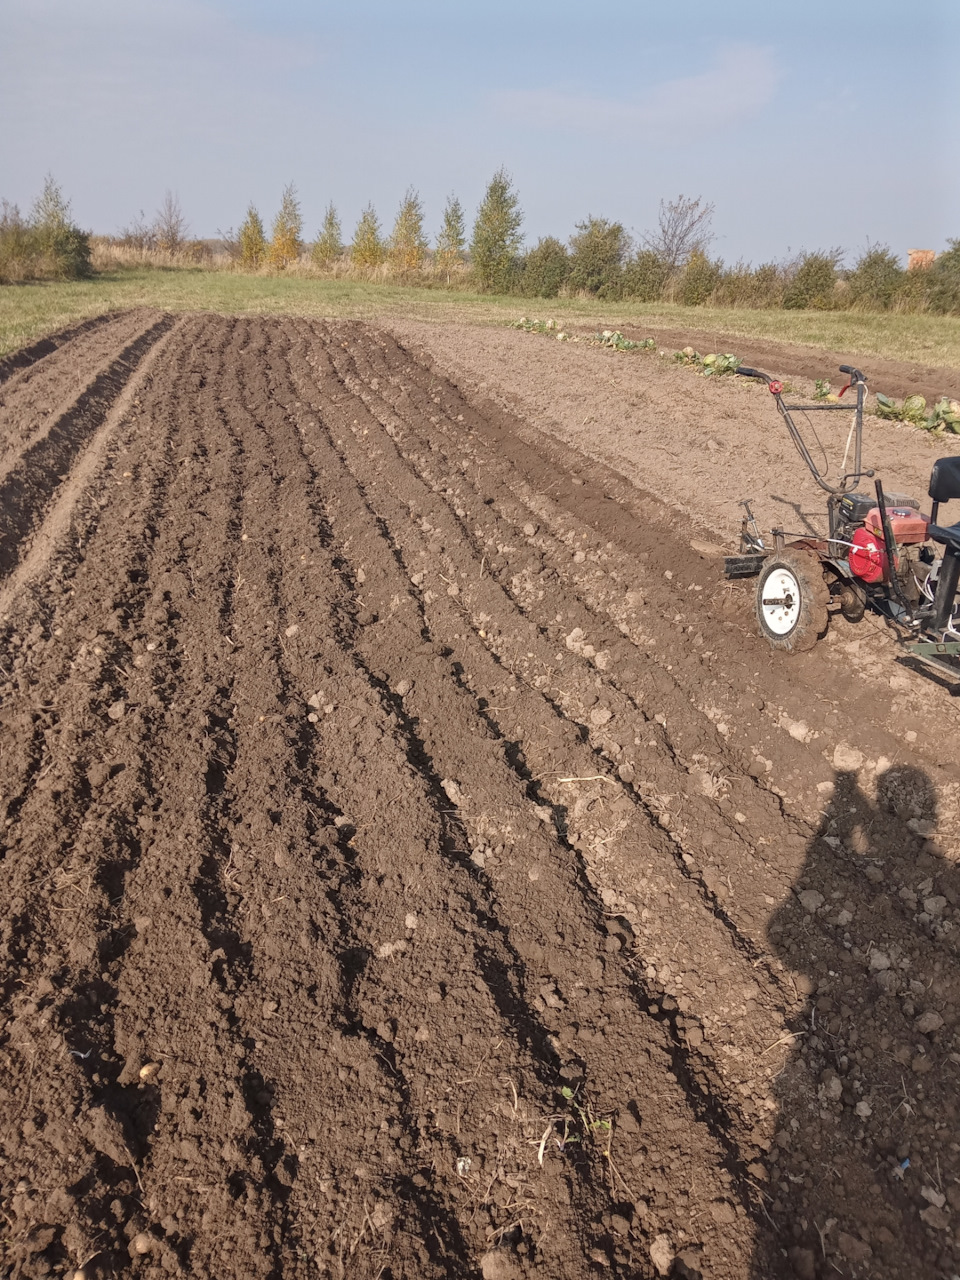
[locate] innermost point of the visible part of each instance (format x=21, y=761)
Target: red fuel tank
x=908, y=526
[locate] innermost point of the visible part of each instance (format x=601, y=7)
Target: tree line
x=671, y=263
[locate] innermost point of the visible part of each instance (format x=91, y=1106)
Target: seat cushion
x=949, y=535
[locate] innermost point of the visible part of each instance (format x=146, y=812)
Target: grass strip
x=27, y=312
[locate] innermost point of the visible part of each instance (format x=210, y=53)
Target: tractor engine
x=868, y=558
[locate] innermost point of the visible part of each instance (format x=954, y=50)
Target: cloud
x=741, y=82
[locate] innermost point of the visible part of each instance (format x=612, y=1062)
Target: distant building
x=920, y=259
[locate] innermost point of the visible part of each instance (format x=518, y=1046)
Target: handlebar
x=848, y=478
x=854, y=375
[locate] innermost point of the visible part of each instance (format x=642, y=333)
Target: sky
x=808, y=125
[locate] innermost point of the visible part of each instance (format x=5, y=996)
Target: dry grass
x=109, y=256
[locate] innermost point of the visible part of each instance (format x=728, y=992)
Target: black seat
x=949, y=535
x=945, y=480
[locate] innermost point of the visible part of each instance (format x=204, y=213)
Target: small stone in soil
x=662, y=1255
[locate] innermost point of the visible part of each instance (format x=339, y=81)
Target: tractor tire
x=792, y=599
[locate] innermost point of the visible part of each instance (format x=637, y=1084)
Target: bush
x=699, y=279
x=876, y=280
x=16, y=247
x=139, y=234
x=645, y=277
x=943, y=281
x=64, y=249
x=813, y=286
x=769, y=285
x=597, y=255
x=755, y=287
x=545, y=269
x=496, y=236
x=47, y=246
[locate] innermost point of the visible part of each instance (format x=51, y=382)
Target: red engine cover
x=867, y=558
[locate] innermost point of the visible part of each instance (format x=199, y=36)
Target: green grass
x=30, y=311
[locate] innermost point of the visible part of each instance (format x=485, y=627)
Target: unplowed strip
x=28, y=482
x=42, y=393
x=35, y=352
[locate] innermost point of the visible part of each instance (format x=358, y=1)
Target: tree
x=367, y=249
x=452, y=239
x=496, y=234
x=407, y=247
x=16, y=256
x=329, y=245
x=51, y=208
x=598, y=251
x=683, y=226
x=545, y=269
x=285, y=242
x=170, y=226
x=64, y=246
x=251, y=241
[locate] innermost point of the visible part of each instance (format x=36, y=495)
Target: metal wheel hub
x=781, y=602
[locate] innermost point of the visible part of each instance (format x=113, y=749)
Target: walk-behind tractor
x=879, y=552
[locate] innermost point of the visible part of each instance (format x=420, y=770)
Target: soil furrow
x=300, y=855
x=425, y=927
x=485, y=602
x=530, y=565
x=66, y=633
x=506, y=809
x=415, y=870
x=68, y=944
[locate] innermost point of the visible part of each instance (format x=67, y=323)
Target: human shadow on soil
x=805, y=519
x=862, y=1168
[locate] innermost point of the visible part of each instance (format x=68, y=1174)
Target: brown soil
x=415, y=865
x=700, y=444
x=789, y=359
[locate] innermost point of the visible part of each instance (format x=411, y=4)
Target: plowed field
x=413, y=864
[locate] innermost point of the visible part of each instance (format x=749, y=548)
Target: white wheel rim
x=780, y=602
